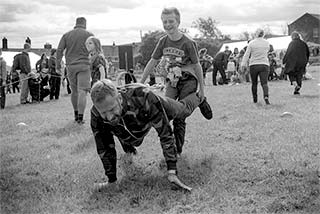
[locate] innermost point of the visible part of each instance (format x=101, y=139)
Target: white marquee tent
x=9, y=55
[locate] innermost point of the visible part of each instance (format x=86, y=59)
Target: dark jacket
x=221, y=58
x=52, y=66
x=142, y=109
x=21, y=62
x=297, y=55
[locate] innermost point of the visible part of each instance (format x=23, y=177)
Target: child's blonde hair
x=97, y=44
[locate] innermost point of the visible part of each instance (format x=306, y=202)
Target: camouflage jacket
x=142, y=109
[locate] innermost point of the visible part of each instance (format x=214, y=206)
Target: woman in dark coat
x=295, y=60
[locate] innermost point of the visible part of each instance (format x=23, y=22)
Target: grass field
x=247, y=159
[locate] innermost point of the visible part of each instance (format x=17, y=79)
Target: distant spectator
x=235, y=58
x=55, y=76
x=3, y=78
x=42, y=63
x=244, y=74
x=205, y=62
x=98, y=64
x=21, y=62
x=15, y=81
x=28, y=41
x=44, y=86
x=272, y=65
x=295, y=60
x=227, y=52
x=257, y=55
x=78, y=65
x=231, y=68
x=8, y=83
x=129, y=77
x=34, y=86
x=220, y=62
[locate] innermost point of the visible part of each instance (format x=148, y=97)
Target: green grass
x=247, y=159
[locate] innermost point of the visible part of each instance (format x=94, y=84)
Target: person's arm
x=147, y=70
x=102, y=72
x=14, y=64
x=288, y=53
x=60, y=49
x=308, y=52
x=105, y=146
x=156, y=55
x=245, y=57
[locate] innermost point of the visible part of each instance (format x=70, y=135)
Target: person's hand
x=243, y=68
x=173, y=178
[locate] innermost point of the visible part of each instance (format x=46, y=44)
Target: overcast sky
x=122, y=20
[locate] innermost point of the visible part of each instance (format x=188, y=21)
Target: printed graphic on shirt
x=170, y=64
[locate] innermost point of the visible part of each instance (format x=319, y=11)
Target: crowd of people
x=130, y=111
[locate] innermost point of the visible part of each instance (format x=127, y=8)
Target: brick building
x=308, y=25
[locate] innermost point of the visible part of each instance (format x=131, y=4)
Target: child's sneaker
x=267, y=101
x=205, y=109
x=296, y=90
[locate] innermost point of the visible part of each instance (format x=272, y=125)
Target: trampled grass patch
x=248, y=159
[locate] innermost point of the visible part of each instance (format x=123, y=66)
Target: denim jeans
x=185, y=86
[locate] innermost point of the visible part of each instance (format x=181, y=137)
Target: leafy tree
x=267, y=32
x=245, y=35
x=149, y=42
x=208, y=28
x=211, y=37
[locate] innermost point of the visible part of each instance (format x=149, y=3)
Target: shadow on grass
x=144, y=190
x=307, y=96
x=83, y=146
x=70, y=129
